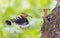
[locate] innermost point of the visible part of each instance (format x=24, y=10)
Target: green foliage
x=13, y=8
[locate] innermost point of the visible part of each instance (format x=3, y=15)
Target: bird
x=21, y=20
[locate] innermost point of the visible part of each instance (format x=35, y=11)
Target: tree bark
x=51, y=29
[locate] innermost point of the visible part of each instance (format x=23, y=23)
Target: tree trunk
x=51, y=29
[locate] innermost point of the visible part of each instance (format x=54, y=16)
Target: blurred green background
x=13, y=8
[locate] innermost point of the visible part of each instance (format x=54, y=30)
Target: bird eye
x=8, y=22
